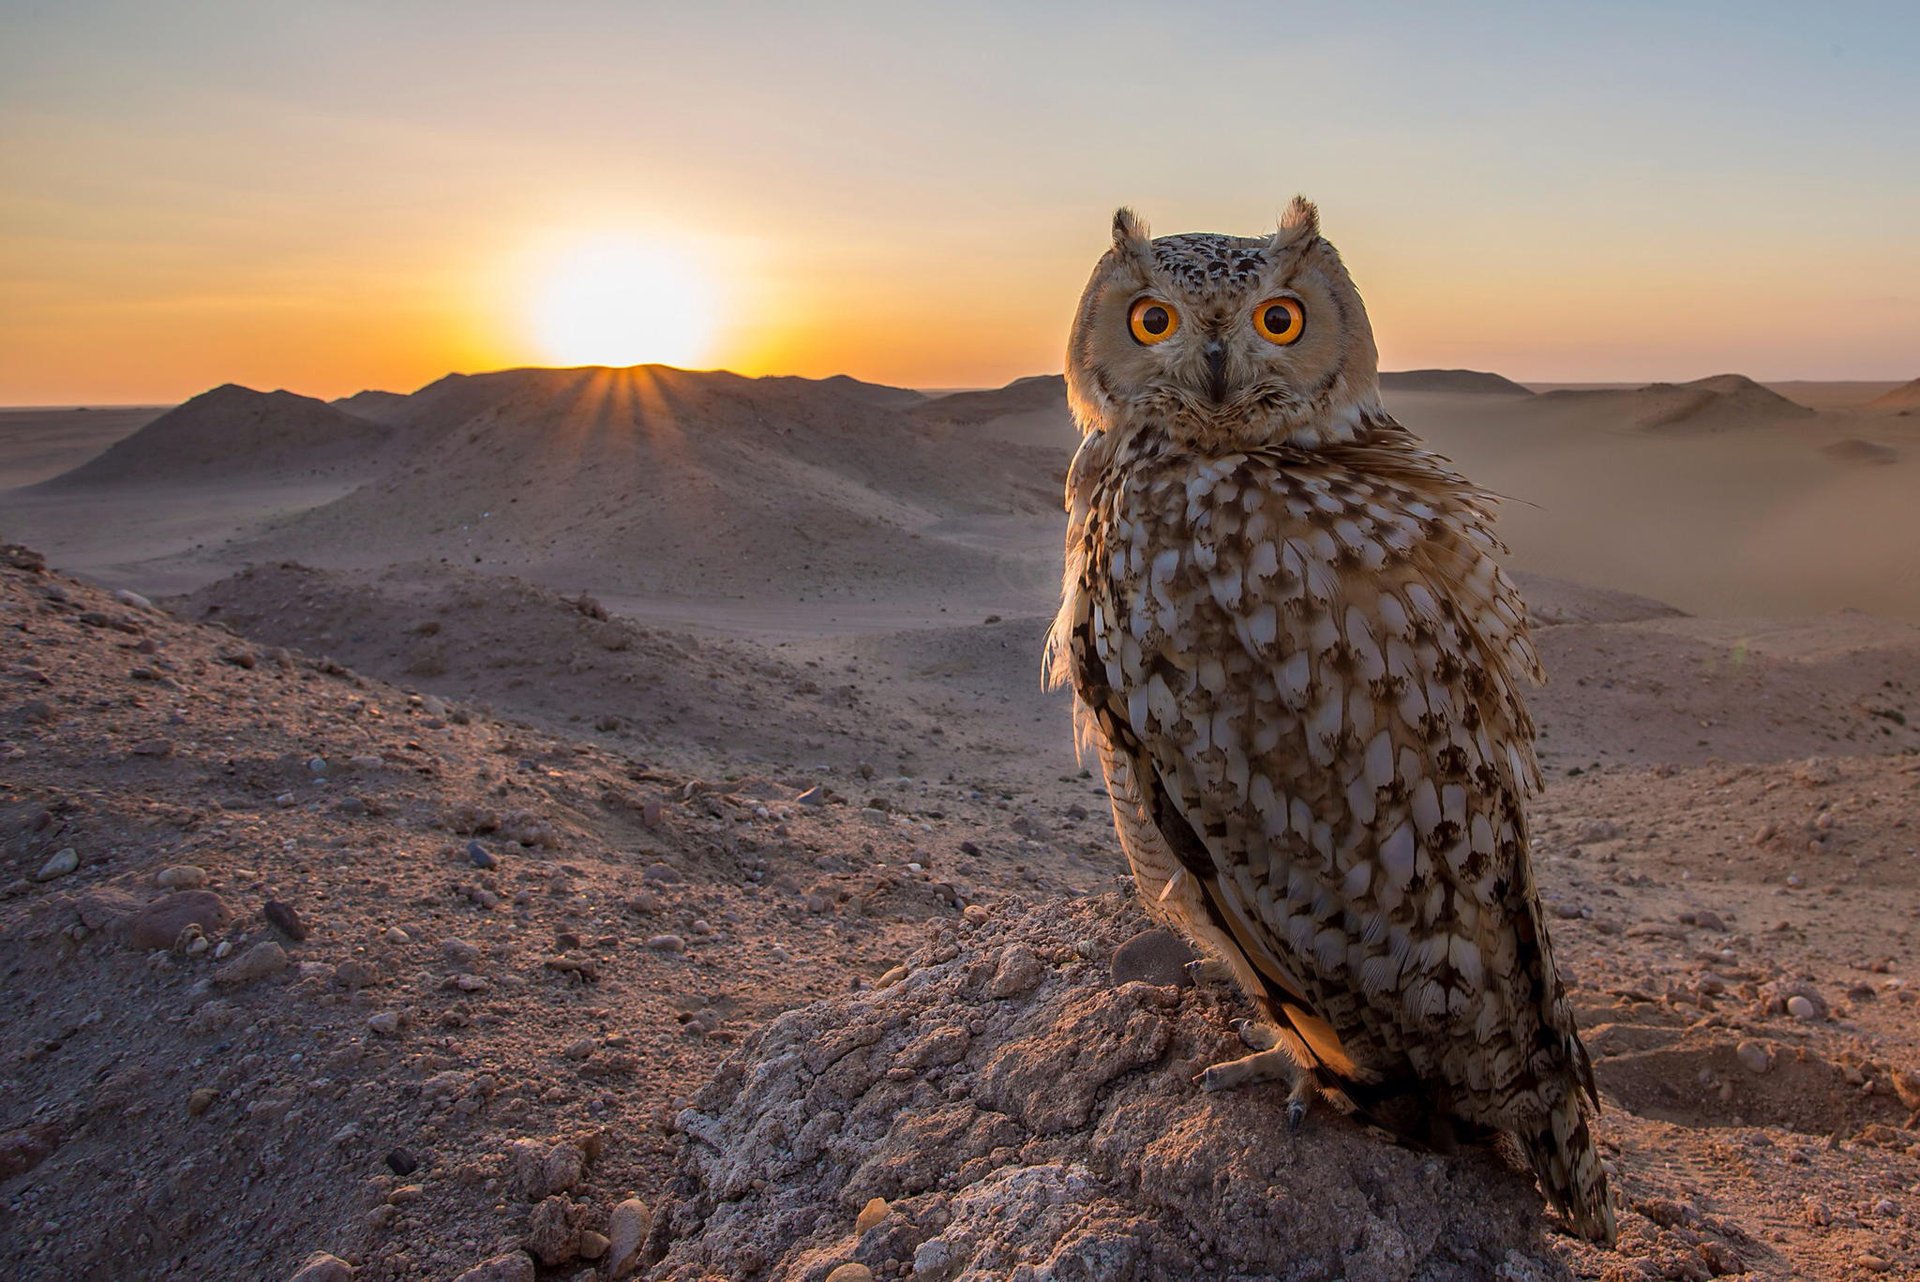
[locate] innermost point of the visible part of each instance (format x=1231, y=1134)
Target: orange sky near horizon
x=332, y=197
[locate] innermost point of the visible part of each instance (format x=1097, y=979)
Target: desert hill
x=1716, y=403
x=1904, y=397
x=375, y=406
x=1450, y=380
x=662, y=480
x=234, y=431
x=1022, y=396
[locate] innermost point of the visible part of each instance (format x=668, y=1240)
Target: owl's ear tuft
x=1130, y=234
x=1299, y=225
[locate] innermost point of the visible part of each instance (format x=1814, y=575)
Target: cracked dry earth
x=299, y=961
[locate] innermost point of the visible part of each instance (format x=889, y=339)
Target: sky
x=332, y=196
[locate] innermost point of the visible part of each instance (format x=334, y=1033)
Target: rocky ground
x=431, y=976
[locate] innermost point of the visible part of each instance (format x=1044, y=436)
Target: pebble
x=592, y=1245
x=355, y=974
x=871, y=1214
x=286, y=920
x=851, y=1273
x=366, y=761
x=814, y=796
x=127, y=596
x=181, y=877
x=386, y=1023
x=402, y=1163
x=627, y=1231
x=200, y=1101
x=1800, y=1008
x=322, y=1267
x=565, y=1166
x=63, y=862
x=667, y=944
x=318, y=765
x=153, y=748
x=395, y=935
x=1154, y=957
x=258, y=962
x=406, y=1193
x=1753, y=1056
x=662, y=874
x=479, y=856
x=581, y=1048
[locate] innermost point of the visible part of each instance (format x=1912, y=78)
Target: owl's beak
x=1216, y=353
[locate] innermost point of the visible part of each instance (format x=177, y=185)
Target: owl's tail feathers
x=1567, y=1162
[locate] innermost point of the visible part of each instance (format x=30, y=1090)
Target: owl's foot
x=1268, y=1063
x=1208, y=970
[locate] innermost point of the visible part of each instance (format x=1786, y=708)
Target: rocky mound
x=1021, y=396
x=1019, y=1101
x=661, y=480
x=1905, y=396
x=234, y=432
x=375, y=406
x=1475, y=381
x=1712, y=404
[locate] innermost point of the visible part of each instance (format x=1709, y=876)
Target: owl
x=1300, y=663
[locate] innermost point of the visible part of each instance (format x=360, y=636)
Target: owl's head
x=1224, y=342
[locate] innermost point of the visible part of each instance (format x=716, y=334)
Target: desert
x=606, y=822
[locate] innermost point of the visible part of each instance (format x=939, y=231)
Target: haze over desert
x=527, y=548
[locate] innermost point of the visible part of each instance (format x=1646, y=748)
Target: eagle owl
x=1299, y=661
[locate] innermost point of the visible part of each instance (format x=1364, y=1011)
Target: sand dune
x=1717, y=403
x=233, y=432
x=1471, y=381
x=1904, y=397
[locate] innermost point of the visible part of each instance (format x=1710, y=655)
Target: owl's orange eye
x=1153, y=321
x=1280, y=320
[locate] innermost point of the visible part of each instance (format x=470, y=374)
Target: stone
x=1154, y=956
x=286, y=919
x=667, y=944
x=1800, y=1007
x=851, y=1272
x=627, y=1231
x=199, y=1101
x=402, y=1163
x=1753, y=1056
x=60, y=864
x=814, y=796
x=661, y=874
x=264, y=959
x=871, y=1214
x=181, y=877
x=565, y=1166
x=26, y=1148
x=321, y=1267
x=159, y=924
x=592, y=1245
x=153, y=748
x=1020, y=971
x=514, y=1266
x=553, y=1231
x=386, y=1023
x=479, y=856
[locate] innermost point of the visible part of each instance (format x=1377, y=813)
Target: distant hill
x=1904, y=397
x=1451, y=380
x=234, y=431
x=1855, y=450
x=375, y=406
x=665, y=480
x=1021, y=396
x=1707, y=404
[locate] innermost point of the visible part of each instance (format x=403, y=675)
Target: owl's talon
x=1298, y=1102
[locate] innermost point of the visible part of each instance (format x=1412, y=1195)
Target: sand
x=719, y=773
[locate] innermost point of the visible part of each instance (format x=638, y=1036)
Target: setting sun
x=622, y=302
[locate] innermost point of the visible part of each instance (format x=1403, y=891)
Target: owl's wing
x=1309, y=667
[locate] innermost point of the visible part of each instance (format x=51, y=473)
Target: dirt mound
x=1712, y=404
x=1018, y=1113
x=660, y=480
x=1855, y=450
x=1552, y=601
x=1478, y=382
x=1905, y=396
x=233, y=433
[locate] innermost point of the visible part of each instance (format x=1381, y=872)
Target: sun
x=616, y=301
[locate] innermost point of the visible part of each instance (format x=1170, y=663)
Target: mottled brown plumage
x=1300, y=662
